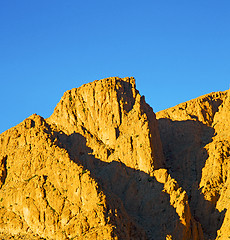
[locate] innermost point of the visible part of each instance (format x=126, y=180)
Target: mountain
x=105, y=166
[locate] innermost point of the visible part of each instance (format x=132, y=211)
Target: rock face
x=196, y=143
x=99, y=168
x=45, y=193
x=115, y=121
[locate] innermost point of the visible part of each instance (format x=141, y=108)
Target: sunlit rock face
x=115, y=120
x=103, y=167
x=196, y=142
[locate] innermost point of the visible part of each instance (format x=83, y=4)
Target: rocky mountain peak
x=105, y=166
x=115, y=120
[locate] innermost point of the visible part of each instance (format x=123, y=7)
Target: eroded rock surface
x=115, y=121
x=96, y=168
x=196, y=143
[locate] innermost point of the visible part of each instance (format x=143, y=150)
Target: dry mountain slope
x=196, y=143
x=46, y=194
x=96, y=169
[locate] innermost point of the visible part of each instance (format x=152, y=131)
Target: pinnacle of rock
x=115, y=120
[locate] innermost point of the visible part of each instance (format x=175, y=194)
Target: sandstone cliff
x=99, y=168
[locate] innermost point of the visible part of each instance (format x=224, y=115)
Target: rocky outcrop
x=115, y=120
x=195, y=137
x=201, y=109
x=121, y=133
x=46, y=194
x=99, y=168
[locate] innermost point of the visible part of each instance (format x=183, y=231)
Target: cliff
x=103, y=167
x=196, y=142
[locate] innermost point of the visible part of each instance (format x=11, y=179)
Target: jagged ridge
x=96, y=169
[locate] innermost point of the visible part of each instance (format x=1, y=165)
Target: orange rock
x=99, y=168
x=196, y=143
x=115, y=120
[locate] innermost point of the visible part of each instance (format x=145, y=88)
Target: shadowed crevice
x=3, y=170
x=184, y=149
x=143, y=196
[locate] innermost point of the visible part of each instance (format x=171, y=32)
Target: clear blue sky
x=177, y=50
